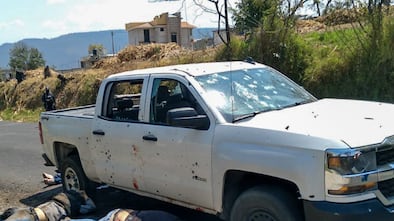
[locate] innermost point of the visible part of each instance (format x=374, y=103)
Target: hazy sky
x=21, y=19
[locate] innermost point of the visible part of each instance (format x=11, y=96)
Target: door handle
x=98, y=132
x=150, y=137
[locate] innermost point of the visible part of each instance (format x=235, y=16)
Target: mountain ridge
x=66, y=51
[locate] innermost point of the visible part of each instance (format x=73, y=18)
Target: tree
x=96, y=50
x=223, y=17
x=35, y=59
x=18, y=56
x=316, y=3
x=271, y=37
x=23, y=57
x=248, y=14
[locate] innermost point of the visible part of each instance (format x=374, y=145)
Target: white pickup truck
x=236, y=139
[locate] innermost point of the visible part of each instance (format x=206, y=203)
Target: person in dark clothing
x=49, y=100
x=47, y=72
x=20, y=76
x=134, y=215
x=65, y=206
x=61, y=207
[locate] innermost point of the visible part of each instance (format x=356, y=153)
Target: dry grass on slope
x=80, y=87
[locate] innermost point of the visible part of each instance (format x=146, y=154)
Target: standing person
x=47, y=72
x=49, y=100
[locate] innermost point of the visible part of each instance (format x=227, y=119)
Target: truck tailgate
x=67, y=126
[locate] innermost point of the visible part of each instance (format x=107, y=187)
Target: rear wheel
x=266, y=204
x=73, y=176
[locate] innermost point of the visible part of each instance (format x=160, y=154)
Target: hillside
x=334, y=67
x=66, y=51
x=79, y=87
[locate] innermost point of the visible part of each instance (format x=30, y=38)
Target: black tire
x=74, y=178
x=266, y=203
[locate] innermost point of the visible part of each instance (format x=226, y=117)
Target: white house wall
x=161, y=36
x=186, y=39
x=136, y=36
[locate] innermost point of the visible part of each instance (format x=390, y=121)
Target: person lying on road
x=65, y=206
x=62, y=206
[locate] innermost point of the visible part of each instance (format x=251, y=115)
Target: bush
x=367, y=74
x=237, y=50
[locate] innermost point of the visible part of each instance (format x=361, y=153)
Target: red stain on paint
x=135, y=184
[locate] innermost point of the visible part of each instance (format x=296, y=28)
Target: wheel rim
x=260, y=215
x=71, y=180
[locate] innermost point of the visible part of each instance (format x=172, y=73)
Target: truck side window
x=168, y=94
x=124, y=100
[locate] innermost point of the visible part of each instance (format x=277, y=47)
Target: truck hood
x=356, y=123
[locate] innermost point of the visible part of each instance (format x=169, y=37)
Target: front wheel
x=73, y=176
x=266, y=204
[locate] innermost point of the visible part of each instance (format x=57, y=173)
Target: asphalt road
x=20, y=156
x=21, y=185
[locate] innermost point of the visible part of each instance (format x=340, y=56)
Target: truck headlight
x=351, y=161
x=348, y=171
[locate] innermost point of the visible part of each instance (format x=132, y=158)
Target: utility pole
x=113, y=48
x=226, y=22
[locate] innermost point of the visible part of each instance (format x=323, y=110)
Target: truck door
x=177, y=160
x=117, y=133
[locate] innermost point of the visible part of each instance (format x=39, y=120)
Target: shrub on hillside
x=367, y=74
x=342, y=16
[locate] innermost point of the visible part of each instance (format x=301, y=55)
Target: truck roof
x=195, y=69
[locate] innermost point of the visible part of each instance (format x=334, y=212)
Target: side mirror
x=187, y=117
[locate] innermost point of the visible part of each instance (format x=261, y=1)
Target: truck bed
x=80, y=112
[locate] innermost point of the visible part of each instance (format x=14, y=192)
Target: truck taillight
x=40, y=129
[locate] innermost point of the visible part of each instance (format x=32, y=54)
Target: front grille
x=387, y=188
x=385, y=155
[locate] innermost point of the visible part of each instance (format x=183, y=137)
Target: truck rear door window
x=124, y=100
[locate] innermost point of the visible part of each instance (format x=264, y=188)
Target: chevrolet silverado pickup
x=235, y=139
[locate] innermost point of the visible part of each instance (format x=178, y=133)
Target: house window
x=161, y=29
x=174, y=37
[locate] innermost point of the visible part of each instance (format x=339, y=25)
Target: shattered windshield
x=244, y=93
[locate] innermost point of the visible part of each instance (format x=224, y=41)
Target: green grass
x=21, y=116
x=330, y=48
x=333, y=42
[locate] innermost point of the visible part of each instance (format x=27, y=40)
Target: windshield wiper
x=298, y=103
x=242, y=117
